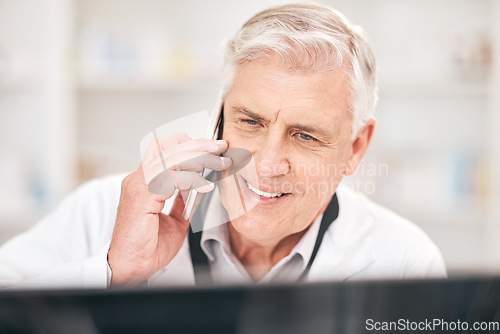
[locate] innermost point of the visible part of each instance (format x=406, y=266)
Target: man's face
x=297, y=127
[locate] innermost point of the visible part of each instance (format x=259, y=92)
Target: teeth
x=262, y=193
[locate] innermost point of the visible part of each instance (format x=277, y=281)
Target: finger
x=191, y=180
x=199, y=145
x=171, y=145
x=154, y=161
x=174, y=139
x=166, y=182
x=159, y=144
x=185, y=161
x=197, y=162
x=152, y=169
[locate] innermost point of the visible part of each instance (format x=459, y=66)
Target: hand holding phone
x=145, y=239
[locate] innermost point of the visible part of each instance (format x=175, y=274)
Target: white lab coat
x=69, y=247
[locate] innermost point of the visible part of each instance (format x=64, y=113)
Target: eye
x=305, y=137
x=250, y=122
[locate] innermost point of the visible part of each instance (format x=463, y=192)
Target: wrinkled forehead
x=268, y=86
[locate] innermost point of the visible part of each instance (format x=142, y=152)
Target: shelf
x=465, y=217
x=134, y=85
x=434, y=89
x=18, y=86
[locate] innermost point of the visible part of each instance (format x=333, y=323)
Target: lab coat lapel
x=348, y=247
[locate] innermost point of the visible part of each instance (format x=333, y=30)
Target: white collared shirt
x=69, y=247
x=225, y=268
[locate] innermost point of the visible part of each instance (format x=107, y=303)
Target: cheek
x=318, y=179
x=228, y=191
x=314, y=188
x=234, y=136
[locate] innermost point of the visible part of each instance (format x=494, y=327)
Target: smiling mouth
x=263, y=193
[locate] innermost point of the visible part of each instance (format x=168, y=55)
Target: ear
x=359, y=146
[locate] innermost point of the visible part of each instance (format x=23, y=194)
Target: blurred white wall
x=82, y=81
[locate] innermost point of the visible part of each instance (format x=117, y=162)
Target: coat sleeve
x=68, y=248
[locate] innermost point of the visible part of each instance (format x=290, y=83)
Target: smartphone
x=214, y=131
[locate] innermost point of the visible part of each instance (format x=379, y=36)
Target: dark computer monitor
x=358, y=307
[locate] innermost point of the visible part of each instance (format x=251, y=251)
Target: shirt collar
x=215, y=227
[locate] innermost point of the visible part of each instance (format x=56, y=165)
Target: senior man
x=299, y=95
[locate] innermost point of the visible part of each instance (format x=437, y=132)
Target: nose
x=272, y=157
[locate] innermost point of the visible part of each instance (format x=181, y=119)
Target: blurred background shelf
x=18, y=86
x=143, y=86
x=437, y=89
x=82, y=81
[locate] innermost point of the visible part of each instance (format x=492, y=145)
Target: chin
x=257, y=228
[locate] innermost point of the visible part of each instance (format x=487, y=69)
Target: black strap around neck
x=201, y=265
x=329, y=216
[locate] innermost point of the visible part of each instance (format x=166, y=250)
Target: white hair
x=309, y=37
